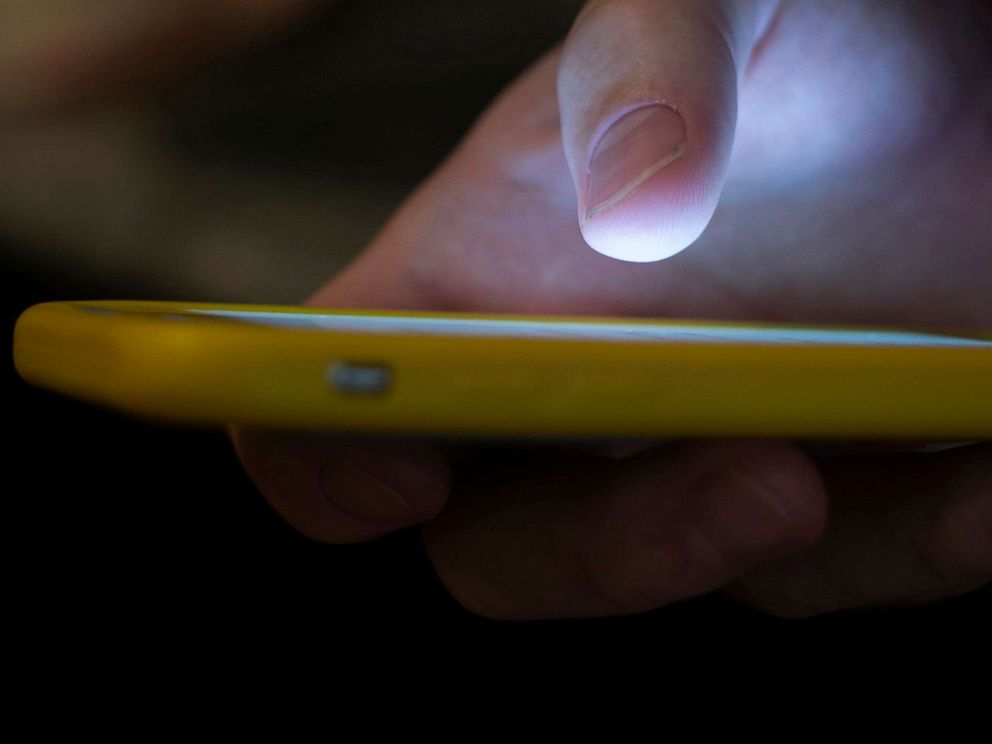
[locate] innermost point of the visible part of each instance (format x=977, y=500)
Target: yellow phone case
x=202, y=363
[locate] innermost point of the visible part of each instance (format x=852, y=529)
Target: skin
x=837, y=169
x=55, y=53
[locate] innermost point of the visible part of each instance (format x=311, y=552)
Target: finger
x=903, y=529
x=51, y=56
x=578, y=535
x=648, y=97
x=345, y=490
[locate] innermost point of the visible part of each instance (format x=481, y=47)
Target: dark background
x=127, y=536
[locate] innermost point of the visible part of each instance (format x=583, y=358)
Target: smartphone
x=515, y=376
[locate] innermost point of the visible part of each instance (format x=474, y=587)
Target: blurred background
x=223, y=151
x=250, y=168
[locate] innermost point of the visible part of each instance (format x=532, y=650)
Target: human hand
x=834, y=163
x=54, y=52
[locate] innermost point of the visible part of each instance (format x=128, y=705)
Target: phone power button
x=359, y=378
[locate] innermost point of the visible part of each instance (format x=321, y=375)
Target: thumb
x=647, y=91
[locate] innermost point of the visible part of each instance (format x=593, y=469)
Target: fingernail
x=360, y=494
x=746, y=512
x=778, y=501
x=632, y=150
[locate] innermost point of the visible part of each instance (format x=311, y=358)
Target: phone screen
x=594, y=330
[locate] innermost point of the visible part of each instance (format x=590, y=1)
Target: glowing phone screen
x=594, y=330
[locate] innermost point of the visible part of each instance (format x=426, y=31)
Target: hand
x=54, y=52
x=826, y=163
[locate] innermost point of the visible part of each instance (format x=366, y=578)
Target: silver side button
x=359, y=378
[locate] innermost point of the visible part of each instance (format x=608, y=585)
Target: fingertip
x=658, y=222
x=651, y=193
x=648, y=100
x=345, y=491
